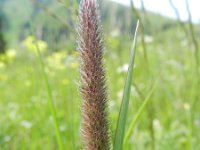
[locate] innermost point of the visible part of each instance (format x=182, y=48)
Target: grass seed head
x=93, y=90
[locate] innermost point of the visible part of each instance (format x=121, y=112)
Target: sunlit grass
x=26, y=122
x=123, y=113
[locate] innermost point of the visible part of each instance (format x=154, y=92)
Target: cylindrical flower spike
x=93, y=90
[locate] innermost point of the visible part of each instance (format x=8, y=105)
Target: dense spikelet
x=93, y=90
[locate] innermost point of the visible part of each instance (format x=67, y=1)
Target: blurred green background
x=167, y=52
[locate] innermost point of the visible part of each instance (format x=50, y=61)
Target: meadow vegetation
x=171, y=119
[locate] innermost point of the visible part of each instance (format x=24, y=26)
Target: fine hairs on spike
x=95, y=126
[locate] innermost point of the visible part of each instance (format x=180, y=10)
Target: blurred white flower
x=12, y=114
x=7, y=138
x=186, y=106
x=62, y=128
x=148, y=39
x=158, y=128
x=134, y=91
x=123, y=68
x=26, y=124
x=50, y=118
x=115, y=33
x=120, y=94
x=197, y=122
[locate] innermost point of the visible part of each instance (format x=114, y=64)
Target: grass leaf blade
x=50, y=99
x=119, y=133
x=137, y=116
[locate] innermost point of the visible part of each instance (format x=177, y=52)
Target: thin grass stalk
x=138, y=16
x=53, y=15
x=49, y=94
x=138, y=114
x=120, y=130
x=71, y=111
x=183, y=27
x=145, y=12
x=71, y=7
x=190, y=114
x=181, y=24
x=50, y=100
x=197, y=83
x=192, y=32
x=93, y=88
x=139, y=92
x=150, y=114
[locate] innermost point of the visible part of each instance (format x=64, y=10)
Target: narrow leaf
x=50, y=99
x=137, y=116
x=119, y=133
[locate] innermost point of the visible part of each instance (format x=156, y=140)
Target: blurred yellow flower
x=59, y=55
x=2, y=65
x=9, y=56
x=3, y=77
x=65, y=81
x=186, y=106
x=56, y=60
x=75, y=53
x=27, y=83
x=11, y=53
x=30, y=44
x=74, y=65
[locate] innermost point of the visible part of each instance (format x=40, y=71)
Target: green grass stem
x=119, y=134
x=138, y=114
x=50, y=100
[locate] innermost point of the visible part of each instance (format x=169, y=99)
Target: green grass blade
x=119, y=133
x=50, y=100
x=137, y=116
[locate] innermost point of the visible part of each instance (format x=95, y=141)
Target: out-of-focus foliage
x=55, y=21
x=171, y=119
x=30, y=44
x=2, y=40
x=8, y=56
